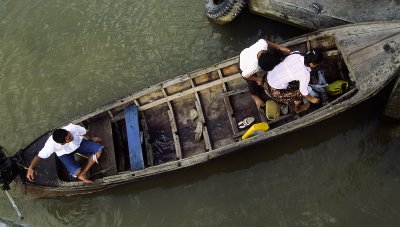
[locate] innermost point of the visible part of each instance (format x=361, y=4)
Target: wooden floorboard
x=107, y=165
x=228, y=104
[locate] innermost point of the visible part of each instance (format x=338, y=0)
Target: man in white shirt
x=279, y=83
x=257, y=59
x=65, y=142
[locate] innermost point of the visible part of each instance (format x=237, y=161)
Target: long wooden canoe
x=152, y=132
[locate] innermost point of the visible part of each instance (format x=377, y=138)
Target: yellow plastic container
x=337, y=88
x=272, y=110
x=263, y=126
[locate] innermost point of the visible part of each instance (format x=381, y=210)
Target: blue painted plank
x=134, y=143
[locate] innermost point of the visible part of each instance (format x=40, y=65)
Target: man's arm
x=257, y=79
x=34, y=163
x=281, y=48
x=312, y=99
x=92, y=138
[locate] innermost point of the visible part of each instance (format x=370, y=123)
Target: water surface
x=60, y=59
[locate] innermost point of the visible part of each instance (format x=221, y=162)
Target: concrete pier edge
x=317, y=14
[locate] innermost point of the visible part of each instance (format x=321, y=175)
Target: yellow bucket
x=263, y=126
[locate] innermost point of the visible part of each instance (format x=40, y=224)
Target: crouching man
x=295, y=68
x=65, y=142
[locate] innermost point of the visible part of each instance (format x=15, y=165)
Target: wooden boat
x=151, y=132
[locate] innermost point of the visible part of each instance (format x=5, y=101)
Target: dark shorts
x=87, y=147
x=256, y=90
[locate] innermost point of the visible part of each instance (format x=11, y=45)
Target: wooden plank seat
x=134, y=140
x=107, y=165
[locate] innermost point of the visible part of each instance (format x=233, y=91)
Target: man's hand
x=281, y=48
x=96, y=139
x=284, y=50
x=30, y=174
x=259, y=80
x=314, y=100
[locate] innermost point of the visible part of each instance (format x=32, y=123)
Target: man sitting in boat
x=280, y=83
x=65, y=142
x=254, y=61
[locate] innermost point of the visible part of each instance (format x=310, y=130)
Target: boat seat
x=134, y=138
x=107, y=165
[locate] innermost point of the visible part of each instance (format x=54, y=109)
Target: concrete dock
x=317, y=14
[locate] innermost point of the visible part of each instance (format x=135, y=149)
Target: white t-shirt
x=51, y=146
x=292, y=68
x=248, y=58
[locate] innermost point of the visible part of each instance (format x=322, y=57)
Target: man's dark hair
x=59, y=135
x=268, y=60
x=312, y=56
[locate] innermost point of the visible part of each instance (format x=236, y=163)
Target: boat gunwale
x=120, y=103
x=305, y=121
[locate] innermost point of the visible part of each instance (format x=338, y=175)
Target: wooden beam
x=200, y=72
x=234, y=92
x=190, y=91
x=202, y=119
x=110, y=114
x=146, y=135
x=118, y=117
x=175, y=136
x=178, y=149
x=206, y=136
x=229, y=109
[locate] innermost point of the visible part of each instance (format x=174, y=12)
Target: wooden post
x=20, y=215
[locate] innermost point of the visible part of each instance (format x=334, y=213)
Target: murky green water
x=60, y=59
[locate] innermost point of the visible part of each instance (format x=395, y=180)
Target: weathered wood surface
x=228, y=106
x=146, y=135
x=206, y=136
x=101, y=127
x=204, y=93
x=190, y=91
x=374, y=57
x=121, y=103
x=172, y=121
x=317, y=14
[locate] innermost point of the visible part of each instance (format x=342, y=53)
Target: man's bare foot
x=83, y=178
x=301, y=108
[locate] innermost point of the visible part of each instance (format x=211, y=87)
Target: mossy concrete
x=317, y=14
